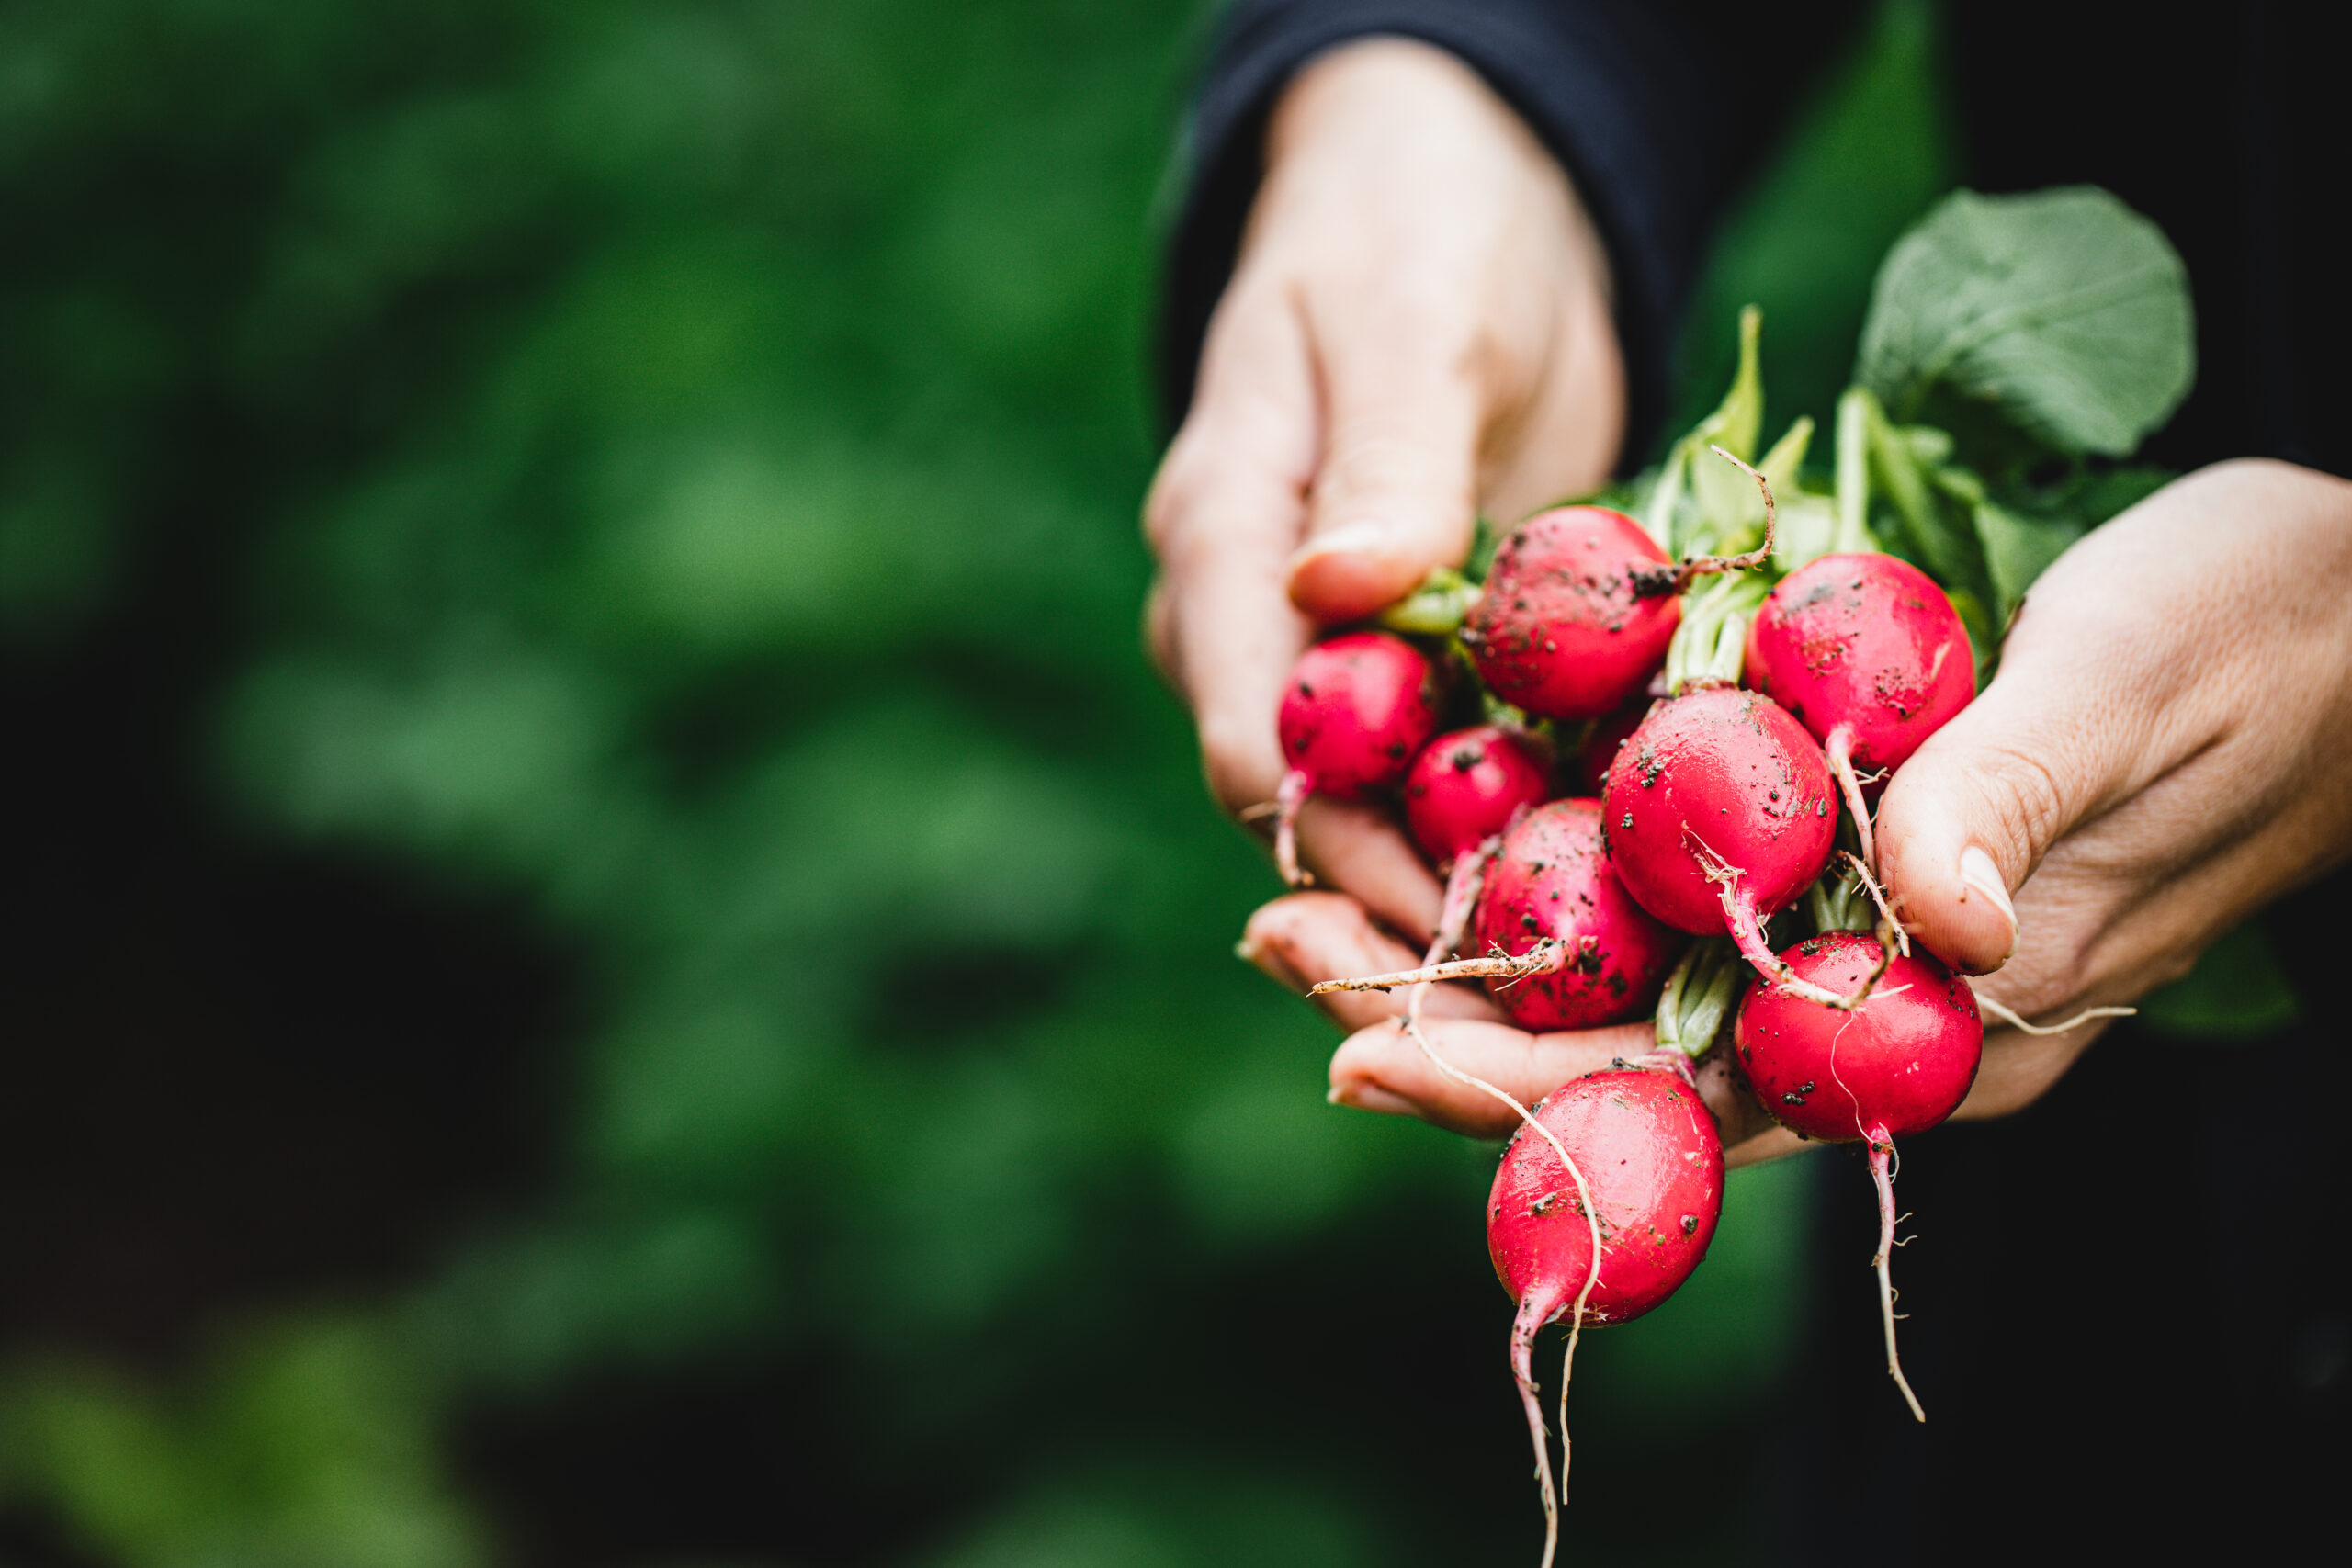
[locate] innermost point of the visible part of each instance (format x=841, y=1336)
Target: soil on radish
x=1560, y=630
x=1551, y=879
x=1467, y=784
x=1867, y=645
x=1718, y=778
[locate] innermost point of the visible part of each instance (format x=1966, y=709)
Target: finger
x=1750, y=1134
x=1394, y=495
x=2020, y=1068
x=1307, y=938
x=2055, y=739
x=1359, y=850
x=1225, y=514
x=1380, y=1067
x=1773, y=1143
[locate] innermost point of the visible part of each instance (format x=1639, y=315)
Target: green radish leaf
x=1485, y=540
x=1695, y=504
x=2064, y=308
x=2091, y=499
x=2237, y=991
x=1436, y=608
x=1785, y=462
x=1628, y=496
x=1983, y=632
x=2024, y=528
x=1930, y=503
x=2019, y=546
x=1727, y=498
x=1808, y=528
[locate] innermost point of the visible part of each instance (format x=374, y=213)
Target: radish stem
x=1840, y=750
x=1747, y=930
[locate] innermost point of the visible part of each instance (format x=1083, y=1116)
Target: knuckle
x=1396, y=469
x=1228, y=763
x=1158, y=632
x=1170, y=498
x=2030, y=799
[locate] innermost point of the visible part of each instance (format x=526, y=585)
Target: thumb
x=1394, y=495
x=1964, y=822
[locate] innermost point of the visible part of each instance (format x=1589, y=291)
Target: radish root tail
x=1890, y=929
x=1531, y=1312
x=1291, y=795
x=1883, y=1174
x=1653, y=582
x=1988, y=1005
x=1576, y=1319
x=1462, y=888
x=1546, y=957
x=1522, y=1366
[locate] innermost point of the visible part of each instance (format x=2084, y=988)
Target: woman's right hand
x=1419, y=328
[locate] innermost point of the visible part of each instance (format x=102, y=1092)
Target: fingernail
x=1977, y=871
x=1359, y=1096
x=1359, y=539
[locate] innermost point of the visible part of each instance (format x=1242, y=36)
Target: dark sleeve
x=1658, y=108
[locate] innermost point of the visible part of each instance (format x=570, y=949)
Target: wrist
x=1397, y=103
x=1420, y=230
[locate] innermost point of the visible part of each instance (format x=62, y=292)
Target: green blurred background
x=615, y=958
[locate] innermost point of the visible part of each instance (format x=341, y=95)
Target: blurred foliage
x=674, y=468
x=2238, y=991
x=1867, y=158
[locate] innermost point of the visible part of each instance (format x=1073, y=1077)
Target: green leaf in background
x=2237, y=991
x=2023, y=529
x=2064, y=307
x=674, y=468
x=308, y=1444
x=1861, y=165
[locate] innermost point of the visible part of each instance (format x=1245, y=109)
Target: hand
x=1418, y=327
x=2163, y=753
x=1310, y=936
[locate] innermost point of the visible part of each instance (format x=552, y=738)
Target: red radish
x=1355, y=711
x=1599, y=1218
x=1896, y=1065
x=1551, y=879
x=1562, y=630
x=1865, y=652
x=1608, y=732
x=1464, y=788
x=1719, y=814
x=1467, y=784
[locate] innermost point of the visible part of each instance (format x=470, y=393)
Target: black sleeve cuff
x=1630, y=94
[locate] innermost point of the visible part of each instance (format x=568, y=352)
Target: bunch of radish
x=1728, y=739
x=1643, y=744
